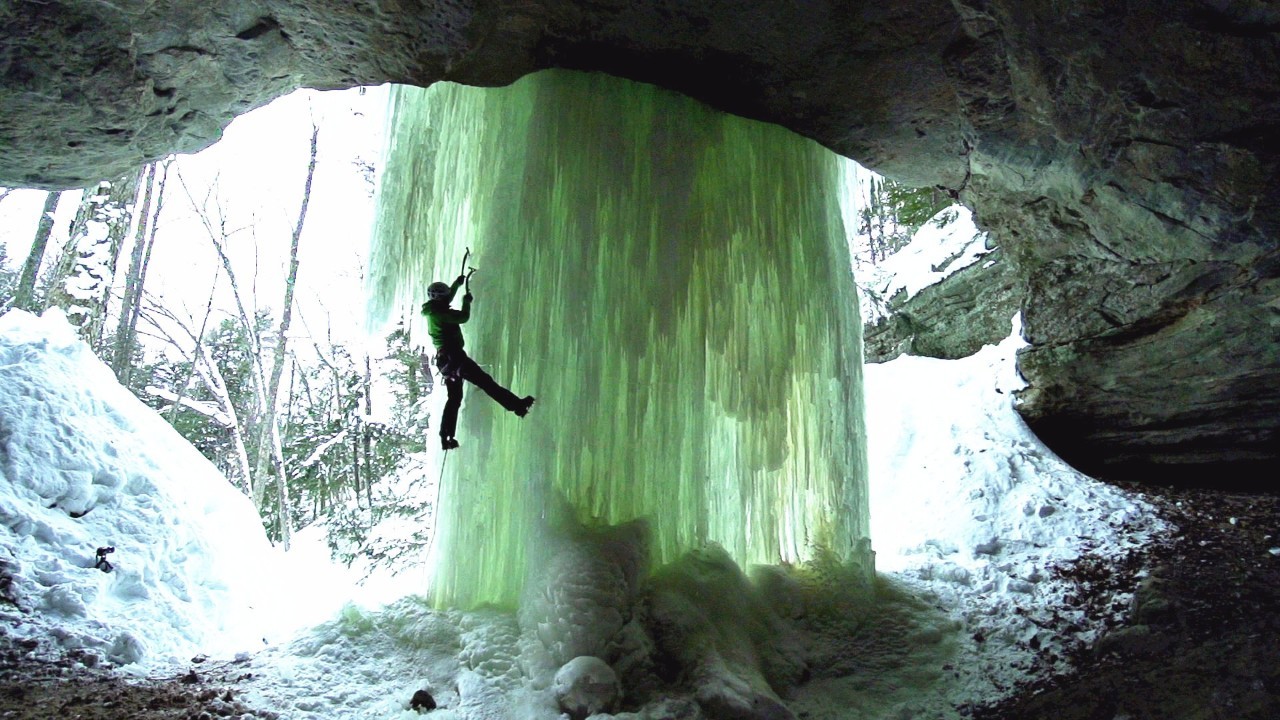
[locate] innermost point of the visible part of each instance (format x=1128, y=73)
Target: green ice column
x=671, y=282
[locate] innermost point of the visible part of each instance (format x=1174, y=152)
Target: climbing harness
x=449, y=364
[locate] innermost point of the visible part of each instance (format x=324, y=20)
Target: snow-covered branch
x=206, y=409
x=319, y=452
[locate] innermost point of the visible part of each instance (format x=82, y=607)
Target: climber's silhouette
x=444, y=325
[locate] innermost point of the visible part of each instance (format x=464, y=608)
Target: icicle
x=674, y=286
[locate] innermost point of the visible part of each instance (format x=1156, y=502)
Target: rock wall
x=1124, y=154
x=1133, y=180
x=951, y=319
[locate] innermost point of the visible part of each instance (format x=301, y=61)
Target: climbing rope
x=435, y=507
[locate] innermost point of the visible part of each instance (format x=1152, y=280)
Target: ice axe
x=468, y=272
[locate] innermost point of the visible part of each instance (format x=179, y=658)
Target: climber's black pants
x=456, y=366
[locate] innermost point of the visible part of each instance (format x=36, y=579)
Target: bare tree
x=337, y=398
x=55, y=280
x=24, y=295
x=271, y=426
x=83, y=275
x=139, y=259
x=209, y=210
x=365, y=431
x=205, y=367
x=266, y=379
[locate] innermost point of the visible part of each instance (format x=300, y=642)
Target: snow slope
x=83, y=465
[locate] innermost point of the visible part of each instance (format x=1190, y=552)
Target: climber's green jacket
x=443, y=322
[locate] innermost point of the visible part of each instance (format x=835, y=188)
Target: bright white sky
x=259, y=168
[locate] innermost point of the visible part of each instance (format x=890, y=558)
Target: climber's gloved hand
x=461, y=279
x=468, y=296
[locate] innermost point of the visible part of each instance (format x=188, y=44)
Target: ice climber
x=444, y=325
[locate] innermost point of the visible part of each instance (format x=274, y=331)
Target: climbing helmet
x=437, y=290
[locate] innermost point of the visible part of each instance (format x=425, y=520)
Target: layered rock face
x=951, y=319
x=1130, y=170
x=1123, y=154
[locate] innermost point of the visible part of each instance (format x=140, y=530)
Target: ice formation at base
x=672, y=283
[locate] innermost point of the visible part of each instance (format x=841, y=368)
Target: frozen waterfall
x=673, y=284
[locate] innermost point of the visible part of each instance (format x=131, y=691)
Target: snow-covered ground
x=969, y=514
x=84, y=466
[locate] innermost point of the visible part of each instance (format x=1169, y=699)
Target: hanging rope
x=441, y=480
x=435, y=507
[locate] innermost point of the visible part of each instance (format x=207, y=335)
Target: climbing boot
x=525, y=403
x=448, y=443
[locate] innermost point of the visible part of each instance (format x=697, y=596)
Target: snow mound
x=86, y=465
x=957, y=475
x=973, y=513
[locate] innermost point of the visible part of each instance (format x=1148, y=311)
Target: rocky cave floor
x=36, y=684
x=1201, y=640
